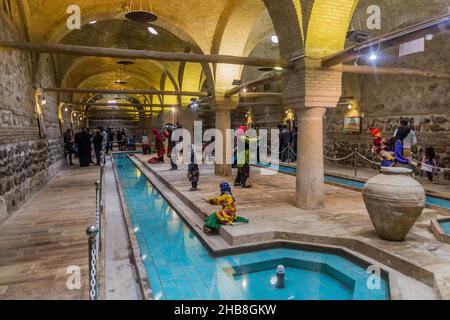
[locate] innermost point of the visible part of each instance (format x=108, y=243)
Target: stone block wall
x=383, y=100
x=27, y=161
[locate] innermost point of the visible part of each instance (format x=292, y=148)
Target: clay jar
x=394, y=201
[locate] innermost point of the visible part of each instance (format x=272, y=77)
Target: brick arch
x=327, y=26
x=239, y=17
x=287, y=20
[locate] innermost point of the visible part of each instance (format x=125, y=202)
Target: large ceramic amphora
x=394, y=201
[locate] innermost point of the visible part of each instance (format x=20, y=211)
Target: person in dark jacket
x=98, y=143
x=83, y=142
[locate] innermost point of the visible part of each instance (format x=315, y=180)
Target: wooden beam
x=100, y=104
x=392, y=71
x=257, y=82
x=260, y=95
x=109, y=91
x=388, y=40
x=40, y=47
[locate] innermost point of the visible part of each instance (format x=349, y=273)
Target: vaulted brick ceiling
x=201, y=26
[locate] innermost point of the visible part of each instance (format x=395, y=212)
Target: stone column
x=310, y=162
x=311, y=90
x=223, y=107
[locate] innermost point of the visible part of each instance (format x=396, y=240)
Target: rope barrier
x=276, y=151
x=368, y=160
x=339, y=159
x=429, y=165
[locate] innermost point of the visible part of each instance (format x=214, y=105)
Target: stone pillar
x=311, y=90
x=223, y=107
x=310, y=162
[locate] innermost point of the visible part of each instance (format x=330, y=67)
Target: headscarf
x=225, y=188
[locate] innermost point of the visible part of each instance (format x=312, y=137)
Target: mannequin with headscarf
x=159, y=145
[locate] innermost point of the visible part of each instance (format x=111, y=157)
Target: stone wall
x=27, y=161
x=383, y=100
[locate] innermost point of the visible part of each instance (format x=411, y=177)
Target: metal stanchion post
x=356, y=163
x=98, y=209
x=92, y=233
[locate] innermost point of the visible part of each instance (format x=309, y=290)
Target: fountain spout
x=281, y=274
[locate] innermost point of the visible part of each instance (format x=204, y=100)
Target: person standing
x=111, y=139
x=83, y=142
x=119, y=139
x=429, y=163
x=69, y=145
x=285, y=138
x=409, y=142
x=98, y=145
x=294, y=139
x=280, y=140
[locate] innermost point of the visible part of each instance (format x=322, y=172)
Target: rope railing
x=94, y=232
x=375, y=163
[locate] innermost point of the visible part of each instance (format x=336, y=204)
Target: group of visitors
x=86, y=144
x=288, y=143
x=397, y=150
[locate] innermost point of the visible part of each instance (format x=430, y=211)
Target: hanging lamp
x=141, y=15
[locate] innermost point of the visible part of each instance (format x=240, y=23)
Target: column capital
x=311, y=86
x=223, y=103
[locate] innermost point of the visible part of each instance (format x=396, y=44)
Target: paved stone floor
x=47, y=235
x=269, y=204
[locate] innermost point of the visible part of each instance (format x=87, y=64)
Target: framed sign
x=352, y=124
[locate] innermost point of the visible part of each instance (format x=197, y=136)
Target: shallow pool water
x=179, y=266
x=446, y=227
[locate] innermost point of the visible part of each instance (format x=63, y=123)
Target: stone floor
x=47, y=235
x=269, y=204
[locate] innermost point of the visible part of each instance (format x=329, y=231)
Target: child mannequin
x=227, y=215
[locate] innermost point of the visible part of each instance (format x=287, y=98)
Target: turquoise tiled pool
x=431, y=200
x=180, y=267
x=446, y=226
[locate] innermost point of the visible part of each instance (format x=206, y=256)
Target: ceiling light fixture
x=275, y=39
x=152, y=31
x=93, y=22
x=141, y=15
x=265, y=69
x=126, y=62
x=373, y=57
